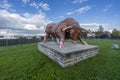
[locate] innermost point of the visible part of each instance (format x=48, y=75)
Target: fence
x=8, y=42
x=21, y=40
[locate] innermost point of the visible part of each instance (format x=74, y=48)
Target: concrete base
x=71, y=54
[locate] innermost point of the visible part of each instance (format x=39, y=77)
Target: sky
x=32, y=16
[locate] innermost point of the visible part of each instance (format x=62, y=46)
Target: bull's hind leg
x=45, y=38
x=57, y=40
x=82, y=41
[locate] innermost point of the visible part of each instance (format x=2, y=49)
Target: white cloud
x=34, y=5
x=61, y=17
x=80, y=10
x=79, y=1
x=3, y=32
x=42, y=27
x=27, y=15
x=70, y=13
x=107, y=7
x=44, y=6
x=30, y=27
x=110, y=31
x=25, y=1
x=93, y=26
x=5, y=1
x=83, y=9
x=23, y=24
x=5, y=5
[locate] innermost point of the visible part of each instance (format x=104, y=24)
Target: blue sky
x=30, y=16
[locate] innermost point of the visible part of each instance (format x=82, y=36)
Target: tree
x=115, y=33
x=99, y=32
x=100, y=29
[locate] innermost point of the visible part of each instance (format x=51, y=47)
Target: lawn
x=25, y=62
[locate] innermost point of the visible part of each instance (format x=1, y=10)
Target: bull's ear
x=61, y=30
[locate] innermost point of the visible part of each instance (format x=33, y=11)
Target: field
x=25, y=62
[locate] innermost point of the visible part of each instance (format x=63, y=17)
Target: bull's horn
x=67, y=28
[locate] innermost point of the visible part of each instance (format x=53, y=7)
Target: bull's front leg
x=62, y=39
x=82, y=41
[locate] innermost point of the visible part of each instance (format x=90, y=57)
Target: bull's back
x=69, y=22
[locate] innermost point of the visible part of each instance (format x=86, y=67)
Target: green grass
x=25, y=62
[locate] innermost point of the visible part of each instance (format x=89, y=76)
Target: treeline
x=101, y=34
x=105, y=34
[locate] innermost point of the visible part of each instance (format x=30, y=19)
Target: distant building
x=7, y=36
x=91, y=35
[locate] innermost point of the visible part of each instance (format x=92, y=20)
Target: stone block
x=71, y=54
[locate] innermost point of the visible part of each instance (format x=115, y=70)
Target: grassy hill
x=25, y=62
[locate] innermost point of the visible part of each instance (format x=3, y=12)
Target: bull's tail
x=84, y=30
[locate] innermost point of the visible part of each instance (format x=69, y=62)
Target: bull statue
x=66, y=29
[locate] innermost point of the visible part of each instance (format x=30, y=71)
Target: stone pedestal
x=71, y=54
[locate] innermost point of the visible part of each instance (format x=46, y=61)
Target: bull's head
x=73, y=33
